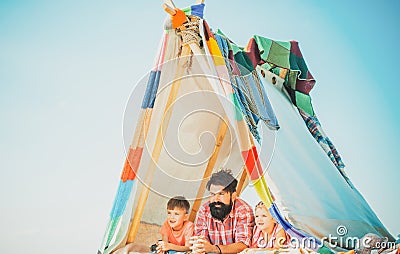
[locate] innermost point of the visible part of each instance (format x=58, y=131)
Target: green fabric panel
x=232, y=46
x=292, y=79
x=279, y=55
x=264, y=46
x=238, y=112
x=303, y=101
x=276, y=71
x=325, y=250
x=236, y=48
x=298, y=63
x=111, y=232
x=187, y=11
x=243, y=61
x=266, y=66
x=285, y=44
x=219, y=32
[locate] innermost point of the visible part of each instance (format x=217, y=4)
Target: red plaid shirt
x=237, y=226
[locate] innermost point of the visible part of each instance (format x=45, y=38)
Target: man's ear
x=186, y=216
x=234, y=195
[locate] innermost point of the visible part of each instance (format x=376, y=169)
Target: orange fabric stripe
x=178, y=19
x=253, y=164
x=131, y=164
x=282, y=73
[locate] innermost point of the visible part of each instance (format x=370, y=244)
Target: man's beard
x=221, y=212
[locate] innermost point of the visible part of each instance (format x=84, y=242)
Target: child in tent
x=176, y=228
x=268, y=234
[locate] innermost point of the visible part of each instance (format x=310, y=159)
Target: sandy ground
x=148, y=234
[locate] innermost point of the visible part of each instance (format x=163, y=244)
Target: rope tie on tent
x=189, y=31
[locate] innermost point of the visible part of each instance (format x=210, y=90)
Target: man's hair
x=224, y=178
x=178, y=202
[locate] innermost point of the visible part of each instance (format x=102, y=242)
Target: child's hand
x=161, y=247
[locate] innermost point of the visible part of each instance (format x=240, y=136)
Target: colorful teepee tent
x=211, y=104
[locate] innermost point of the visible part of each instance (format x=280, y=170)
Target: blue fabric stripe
x=198, y=10
x=240, y=91
x=264, y=108
x=223, y=45
x=288, y=227
x=151, y=89
x=124, y=191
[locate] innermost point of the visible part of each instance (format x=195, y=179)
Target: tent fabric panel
x=202, y=91
x=323, y=140
x=253, y=52
x=303, y=101
x=122, y=196
x=279, y=55
x=264, y=46
x=215, y=52
x=118, y=224
x=238, y=106
x=131, y=164
x=242, y=59
x=151, y=89
x=252, y=163
x=318, y=185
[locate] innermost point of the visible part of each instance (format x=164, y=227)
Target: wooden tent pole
x=156, y=150
x=210, y=166
x=169, y=9
x=242, y=181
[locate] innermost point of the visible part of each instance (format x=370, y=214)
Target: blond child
x=268, y=233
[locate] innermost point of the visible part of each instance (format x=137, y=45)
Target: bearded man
x=224, y=224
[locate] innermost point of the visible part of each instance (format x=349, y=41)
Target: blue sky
x=67, y=69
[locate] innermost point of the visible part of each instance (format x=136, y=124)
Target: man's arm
x=200, y=225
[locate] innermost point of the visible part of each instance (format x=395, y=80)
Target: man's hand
x=208, y=247
x=201, y=245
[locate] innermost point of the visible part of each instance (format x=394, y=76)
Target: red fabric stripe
x=294, y=48
x=131, y=164
x=253, y=164
x=253, y=52
x=207, y=31
x=305, y=86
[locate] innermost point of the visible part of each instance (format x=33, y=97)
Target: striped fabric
x=121, y=211
x=323, y=140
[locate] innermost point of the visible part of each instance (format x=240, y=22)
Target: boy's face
x=176, y=217
x=263, y=218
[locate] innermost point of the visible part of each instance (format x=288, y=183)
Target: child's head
x=263, y=217
x=177, y=212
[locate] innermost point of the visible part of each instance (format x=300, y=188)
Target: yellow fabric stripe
x=263, y=192
x=215, y=52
